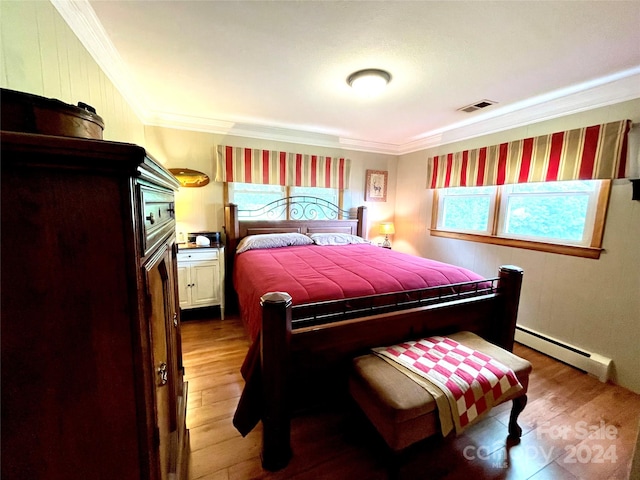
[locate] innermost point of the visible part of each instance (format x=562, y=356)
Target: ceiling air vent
x=477, y=106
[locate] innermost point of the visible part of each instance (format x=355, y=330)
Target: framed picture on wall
x=375, y=189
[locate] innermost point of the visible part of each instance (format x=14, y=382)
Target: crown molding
x=601, y=92
x=616, y=88
x=265, y=132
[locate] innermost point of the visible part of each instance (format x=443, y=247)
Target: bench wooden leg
x=518, y=406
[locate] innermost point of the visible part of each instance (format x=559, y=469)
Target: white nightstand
x=201, y=277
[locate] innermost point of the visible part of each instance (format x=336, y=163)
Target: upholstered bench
x=403, y=411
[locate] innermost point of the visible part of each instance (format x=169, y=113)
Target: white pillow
x=272, y=240
x=336, y=239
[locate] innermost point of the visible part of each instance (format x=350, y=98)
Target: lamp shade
x=387, y=228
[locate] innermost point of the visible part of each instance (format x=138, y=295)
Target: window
x=253, y=196
x=559, y=211
x=563, y=217
x=467, y=209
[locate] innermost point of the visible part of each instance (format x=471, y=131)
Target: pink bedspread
x=314, y=273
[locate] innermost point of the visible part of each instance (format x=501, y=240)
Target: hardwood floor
x=574, y=427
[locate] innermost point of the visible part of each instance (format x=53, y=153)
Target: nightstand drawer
x=198, y=255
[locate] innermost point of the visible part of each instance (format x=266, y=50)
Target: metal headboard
x=299, y=207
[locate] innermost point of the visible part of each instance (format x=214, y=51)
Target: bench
x=404, y=412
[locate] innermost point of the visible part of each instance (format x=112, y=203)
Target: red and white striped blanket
x=471, y=381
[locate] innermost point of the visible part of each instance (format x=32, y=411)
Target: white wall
x=42, y=56
x=593, y=304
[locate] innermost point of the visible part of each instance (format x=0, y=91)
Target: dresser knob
x=151, y=219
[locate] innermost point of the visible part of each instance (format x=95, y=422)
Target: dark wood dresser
x=92, y=375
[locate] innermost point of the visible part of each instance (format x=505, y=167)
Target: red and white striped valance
x=252, y=165
x=596, y=152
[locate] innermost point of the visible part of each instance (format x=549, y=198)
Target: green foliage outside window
x=556, y=217
x=469, y=213
x=553, y=211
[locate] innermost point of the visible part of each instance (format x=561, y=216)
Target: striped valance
x=596, y=152
x=252, y=165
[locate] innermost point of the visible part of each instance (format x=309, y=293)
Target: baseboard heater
x=589, y=362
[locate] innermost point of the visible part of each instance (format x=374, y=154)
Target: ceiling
x=277, y=70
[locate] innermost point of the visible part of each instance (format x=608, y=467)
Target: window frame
x=491, y=217
x=593, y=250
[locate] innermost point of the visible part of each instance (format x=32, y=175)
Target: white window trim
x=592, y=250
x=490, y=221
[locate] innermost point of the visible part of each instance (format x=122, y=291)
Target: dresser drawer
x=158, y=215
x=198, y=255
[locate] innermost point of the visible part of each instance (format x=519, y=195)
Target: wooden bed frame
x=292, y=351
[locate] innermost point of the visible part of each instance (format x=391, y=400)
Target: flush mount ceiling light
x=369, y=82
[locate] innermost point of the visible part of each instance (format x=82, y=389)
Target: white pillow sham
x=336, y=239
x=272, y=240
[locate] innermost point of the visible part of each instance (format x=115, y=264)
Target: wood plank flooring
x=574, y=427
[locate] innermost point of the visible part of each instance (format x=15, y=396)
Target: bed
x=372, y=277
x=310, y=308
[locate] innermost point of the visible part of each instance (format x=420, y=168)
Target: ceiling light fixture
x=369, y=82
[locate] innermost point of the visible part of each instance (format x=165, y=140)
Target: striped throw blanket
x=465, y=383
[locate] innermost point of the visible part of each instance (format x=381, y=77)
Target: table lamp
x=386, y=229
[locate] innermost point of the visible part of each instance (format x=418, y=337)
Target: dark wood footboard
x=289, y=354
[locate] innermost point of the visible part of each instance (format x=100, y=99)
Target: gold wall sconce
x=190, y=178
